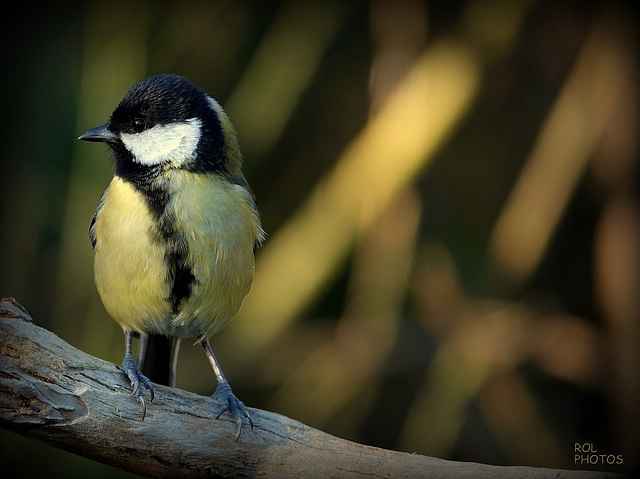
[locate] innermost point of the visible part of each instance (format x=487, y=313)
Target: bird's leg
x=133, y=373
x=224, y=394
x=173, y=368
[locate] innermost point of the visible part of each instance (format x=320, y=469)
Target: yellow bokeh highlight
x=559, y=157
x=392, y=148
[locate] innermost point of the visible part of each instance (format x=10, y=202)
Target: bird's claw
x=231, y=403
x=137, y=378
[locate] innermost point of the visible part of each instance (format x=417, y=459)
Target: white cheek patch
x=175, y=143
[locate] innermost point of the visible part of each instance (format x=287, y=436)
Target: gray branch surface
x=55, y=393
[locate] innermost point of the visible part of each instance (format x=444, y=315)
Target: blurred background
x=451, y=193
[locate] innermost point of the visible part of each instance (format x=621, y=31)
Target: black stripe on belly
x=179, y=272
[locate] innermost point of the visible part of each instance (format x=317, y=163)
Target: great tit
x=175, y=232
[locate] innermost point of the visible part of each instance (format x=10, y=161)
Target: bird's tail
x=158, y=358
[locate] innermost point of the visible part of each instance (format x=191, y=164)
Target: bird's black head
x=166, y=122
x=158, y=100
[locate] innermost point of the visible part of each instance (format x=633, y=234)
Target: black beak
x=100, y=133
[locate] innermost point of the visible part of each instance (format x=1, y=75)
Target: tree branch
x=55, y=393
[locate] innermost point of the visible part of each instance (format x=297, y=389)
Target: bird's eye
x=139, y=125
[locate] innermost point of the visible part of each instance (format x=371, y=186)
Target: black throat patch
x=179, y=272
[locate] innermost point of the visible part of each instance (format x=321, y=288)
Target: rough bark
x=55, y=393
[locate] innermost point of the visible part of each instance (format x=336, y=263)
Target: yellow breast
x=219, y=226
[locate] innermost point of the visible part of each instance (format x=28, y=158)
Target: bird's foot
x=231, y=403
x=137, y=378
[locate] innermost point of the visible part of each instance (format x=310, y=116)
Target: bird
x=175, y=232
